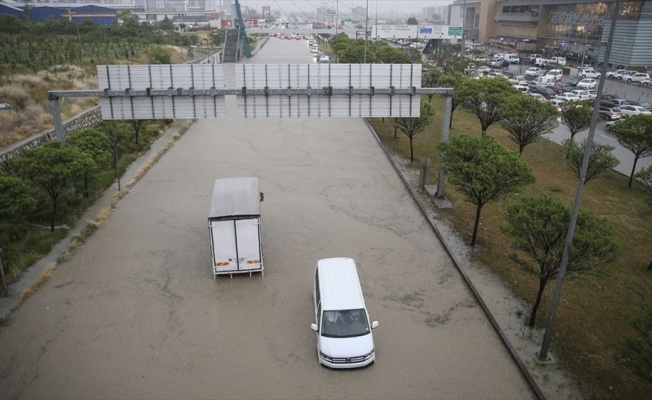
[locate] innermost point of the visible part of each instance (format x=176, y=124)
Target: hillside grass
x=593, y=316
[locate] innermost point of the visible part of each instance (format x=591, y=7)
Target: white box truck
x=234, y=226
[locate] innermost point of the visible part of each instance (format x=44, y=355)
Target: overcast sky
x=382, y=6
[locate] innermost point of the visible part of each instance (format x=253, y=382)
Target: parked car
x=619, y=102
x=557, y=103
x=610, y=114
x=533, y=71
x=588, y=73
x=573, y=81
x=587, y=83
x=615, y=74
x=629, y=110
x=539, y=97
x=558, y=89
x=502, y=64
x=582, y=94
x=645, y=82
x=544, y=91
x=638, y=77
x=521, y=88
x=625, y=75
x=609, y=125
x=643, y=104
x=568, y=96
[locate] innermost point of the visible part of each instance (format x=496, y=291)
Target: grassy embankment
x=593, y=317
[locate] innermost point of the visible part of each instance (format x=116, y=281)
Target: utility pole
x=366, y=29
x=542, y=355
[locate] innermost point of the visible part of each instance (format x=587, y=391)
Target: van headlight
x=370, y=354
x=325, y=357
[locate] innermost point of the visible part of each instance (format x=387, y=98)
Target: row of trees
x=483, y=170
x=54, y=184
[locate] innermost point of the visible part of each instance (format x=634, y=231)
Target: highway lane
x=135, y=313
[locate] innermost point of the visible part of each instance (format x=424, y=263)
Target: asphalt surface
x=135, y=313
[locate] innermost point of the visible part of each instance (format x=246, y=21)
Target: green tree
x=16, y=200
x=645, y=177
x=430, y=79
x=635, y=134
x=52, y=168
x=453, y=81
x=527, y=119
x=636, y=352
x=118, y=134
x=576, y=115
x=166, y=25
x=412, y=21
x=97, y=146
x=484, y=98
x=451, y=60
x=600, y=161
x=159, y=55
x=538, y=226
x=483, y=170
x=411, y=126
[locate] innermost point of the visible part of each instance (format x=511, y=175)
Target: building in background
x=564, y=27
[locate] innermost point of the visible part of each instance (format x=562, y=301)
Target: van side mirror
x=315, y=328
x=374, y=325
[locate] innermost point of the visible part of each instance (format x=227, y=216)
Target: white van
x=556, y=74
x=545, y=80
x=512, y=58
x=324, y=59
x=559, y=60
x=344, y=337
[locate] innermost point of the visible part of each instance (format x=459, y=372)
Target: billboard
x=416, y=31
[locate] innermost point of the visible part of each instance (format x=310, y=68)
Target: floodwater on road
x=136, y=313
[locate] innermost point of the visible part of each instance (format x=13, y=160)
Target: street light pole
x=586, y=39
x=366, y=29
x=542, y=355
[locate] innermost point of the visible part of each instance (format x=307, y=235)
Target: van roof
x=235, y=197
x=339, y=284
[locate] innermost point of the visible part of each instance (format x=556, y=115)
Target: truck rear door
x=248, y=244
x=223, y=243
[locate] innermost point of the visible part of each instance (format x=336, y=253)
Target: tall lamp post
x=586, y=39
x=366, y=29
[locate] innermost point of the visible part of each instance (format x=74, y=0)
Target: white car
x=625, y=75
x=587, y=83
x=589, y=73
x=582, y=94
x=557, y=103
x=629, y=110
x=645, y=82
x=533, y=71
x=615, y=74
x=638, y=77
x=568, y=96
x=610, y=124
x=539, y=97
x=521, y=88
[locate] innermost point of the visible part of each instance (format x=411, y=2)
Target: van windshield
x=344, y=323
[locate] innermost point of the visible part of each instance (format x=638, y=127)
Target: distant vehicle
x=324, y=59
x=629, y=110
x=534, y=56
x=557, y=103
x=588, y=73
x=512, y=58
x=521, y=88
x=624, y=75
x=610, y=125
x=544, y=91
x=539, y=97
x=533, y=71
x=638, y=77
x=643, y=104
x=615, y=74
x=645, y=82
x=568, y=96
x=610, y=114
x=582, y=94
x=556, y=74
x=573, y=81
x=558, y=60
x=502, y=64
x=587, y=83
